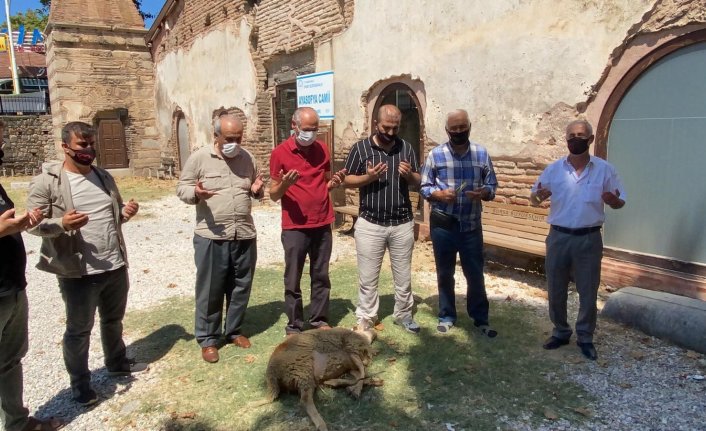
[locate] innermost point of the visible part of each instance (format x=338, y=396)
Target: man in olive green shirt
x=220, y=180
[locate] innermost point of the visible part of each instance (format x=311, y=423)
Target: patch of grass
x=18, y=196
x=145, y=189
x=139, y=188
x=430, y=379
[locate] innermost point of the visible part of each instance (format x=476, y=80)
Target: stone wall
x=28, y=143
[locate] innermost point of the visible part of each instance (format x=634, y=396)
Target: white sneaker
x=410, y=326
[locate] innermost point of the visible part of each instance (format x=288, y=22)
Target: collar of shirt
x=395, y=147
x=450, y=148
x=570, y=167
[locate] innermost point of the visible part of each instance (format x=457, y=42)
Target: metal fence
x=26, y=103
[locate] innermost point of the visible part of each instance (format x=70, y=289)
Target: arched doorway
x=182, y=128
x=411, y=127
x=403, y=97
x=653, y=131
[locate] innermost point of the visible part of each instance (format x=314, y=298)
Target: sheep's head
x=368, y=334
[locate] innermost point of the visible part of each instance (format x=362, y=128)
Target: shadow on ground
x=147, y=349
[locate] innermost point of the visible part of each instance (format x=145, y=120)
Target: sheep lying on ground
x=305, y=361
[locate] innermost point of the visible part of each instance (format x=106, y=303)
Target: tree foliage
x=138, y=5
x=31, y=19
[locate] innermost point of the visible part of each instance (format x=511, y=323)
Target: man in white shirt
x=83, y=244
x=579, y=185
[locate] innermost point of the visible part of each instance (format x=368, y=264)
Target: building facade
x=100, y=72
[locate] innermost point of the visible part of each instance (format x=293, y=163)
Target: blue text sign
x=316, y=91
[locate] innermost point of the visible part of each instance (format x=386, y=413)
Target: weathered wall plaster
x=509, y=62
x=216, y=71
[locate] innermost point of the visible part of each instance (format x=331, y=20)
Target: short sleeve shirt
x=576, y=200
x=306, y=203
x=386, y=201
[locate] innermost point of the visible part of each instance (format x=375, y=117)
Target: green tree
x=31, y=19
x=138, y=5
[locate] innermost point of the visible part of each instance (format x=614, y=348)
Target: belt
x=579, y=231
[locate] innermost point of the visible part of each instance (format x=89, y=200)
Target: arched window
x=403, y=97
x=651, y=128
x=411, y=127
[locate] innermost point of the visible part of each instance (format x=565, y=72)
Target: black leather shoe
x=554, y=343
x=588, y=350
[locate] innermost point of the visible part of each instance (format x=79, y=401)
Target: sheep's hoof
x=355, y=390
x=373, y=381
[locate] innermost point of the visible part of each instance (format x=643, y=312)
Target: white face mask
x=229, y=149
x=306, y=137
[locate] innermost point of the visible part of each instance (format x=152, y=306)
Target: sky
x=151, y=6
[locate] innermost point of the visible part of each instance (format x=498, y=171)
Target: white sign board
x=316, y=91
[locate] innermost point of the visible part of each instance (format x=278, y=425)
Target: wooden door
x=112, y=151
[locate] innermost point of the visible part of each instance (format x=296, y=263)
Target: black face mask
x=84, y=156
x=577, y=145
x=385, y=138
x=459, y=138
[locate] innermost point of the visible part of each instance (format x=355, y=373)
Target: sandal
x=488, y=331
x=444, y=327
x=51, y=424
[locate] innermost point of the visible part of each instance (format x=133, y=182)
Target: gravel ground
x=639, y=382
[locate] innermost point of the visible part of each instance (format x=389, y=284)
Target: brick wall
x=288, y=26
x=191, y=19
x=28, y=143
x=515, y=178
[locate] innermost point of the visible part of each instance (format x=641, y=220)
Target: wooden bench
x=515, y=227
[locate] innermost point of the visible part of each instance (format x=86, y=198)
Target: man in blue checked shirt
x=456, y=176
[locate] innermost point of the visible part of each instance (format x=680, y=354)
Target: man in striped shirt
x=383, y=167
x=457, y=175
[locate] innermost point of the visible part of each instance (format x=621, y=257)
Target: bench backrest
x=522, y=228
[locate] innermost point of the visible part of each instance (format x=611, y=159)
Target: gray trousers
x=581, y=254
x=13, y=347
x=371, y=241
x=224, y=268
x=106, y=292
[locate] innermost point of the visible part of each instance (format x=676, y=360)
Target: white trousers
x=371, y=241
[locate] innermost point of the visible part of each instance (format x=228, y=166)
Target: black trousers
x=224, y=269
x=298, y=244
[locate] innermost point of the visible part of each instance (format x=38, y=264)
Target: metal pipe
x=13, y=63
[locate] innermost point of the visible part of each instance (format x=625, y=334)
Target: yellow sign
x=3, y=42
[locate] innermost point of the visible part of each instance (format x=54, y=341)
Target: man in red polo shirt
x=300, y=173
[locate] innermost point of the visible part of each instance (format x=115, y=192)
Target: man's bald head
x=305, y=115
x=226, y=120
x=389, y=112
